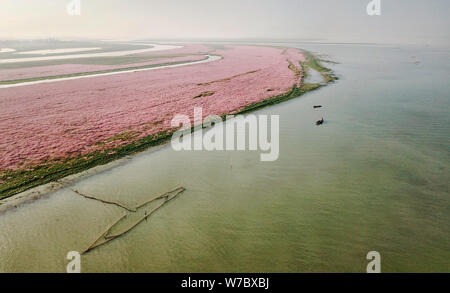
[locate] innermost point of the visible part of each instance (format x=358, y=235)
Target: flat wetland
x=375, y=176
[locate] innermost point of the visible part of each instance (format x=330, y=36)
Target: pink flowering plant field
x=51, y=130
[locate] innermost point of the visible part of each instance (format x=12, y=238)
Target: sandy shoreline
x=38, y=192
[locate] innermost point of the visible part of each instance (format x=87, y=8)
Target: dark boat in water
x=317, y=106
x=320, y=122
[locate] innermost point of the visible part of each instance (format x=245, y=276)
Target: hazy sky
x=401, y=21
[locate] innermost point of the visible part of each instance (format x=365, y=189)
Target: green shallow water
x=374, y=177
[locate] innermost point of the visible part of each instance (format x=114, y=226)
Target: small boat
x=317, y=106
x=320, y=122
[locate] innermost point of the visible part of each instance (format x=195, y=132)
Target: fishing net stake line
x=105, y=232
x=107, y=238
x=138, y=221
x=165, y=196
x=102, y=200
x=123, y=206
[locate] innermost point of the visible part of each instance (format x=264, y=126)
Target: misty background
x=401, y=21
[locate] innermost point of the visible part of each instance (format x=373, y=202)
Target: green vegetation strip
x=16, y=181
x=311, y=62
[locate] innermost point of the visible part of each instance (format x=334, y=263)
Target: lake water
x=375, y=176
